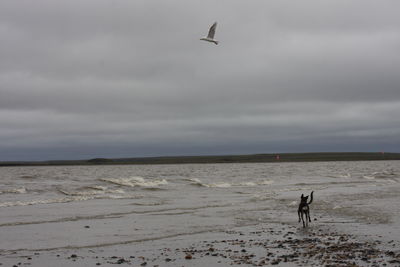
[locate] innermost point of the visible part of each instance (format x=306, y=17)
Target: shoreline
x=217, y=159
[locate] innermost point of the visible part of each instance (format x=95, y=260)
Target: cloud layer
x=120, y=78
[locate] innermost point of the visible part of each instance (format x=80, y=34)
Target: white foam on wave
x=45, y=201
x=289, y=189
x=116, y=191
x=247, y=184
x=81, y=193
x=220, y=185
x=98, y=187
x=368, y=177
x=263, y=196
x=97, y=191
x=340, y=175
x=389, y=172
x=124, y=196
x=135, y=181
x=21, y=190
x=196, y=181
x=385, y=174
x=266, y=182
x=75, y=196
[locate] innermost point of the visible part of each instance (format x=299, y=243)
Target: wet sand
x=268, y=244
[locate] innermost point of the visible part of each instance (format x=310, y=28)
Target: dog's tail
x=311, y=197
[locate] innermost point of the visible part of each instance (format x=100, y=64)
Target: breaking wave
x=385, y=174
x=369, y=177
x=72, y=196
x=135, y=181
x=96, y=191
x=45, y=201
x=79, y=193
x=21, y=190
x=198, y=182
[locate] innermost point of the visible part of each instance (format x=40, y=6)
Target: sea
x=58, y=207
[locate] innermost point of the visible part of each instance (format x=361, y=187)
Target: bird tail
x=311, y=199
x=216, y=42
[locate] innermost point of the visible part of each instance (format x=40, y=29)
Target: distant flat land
x=283, y=157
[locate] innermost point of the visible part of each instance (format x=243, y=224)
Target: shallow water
x=94, y=206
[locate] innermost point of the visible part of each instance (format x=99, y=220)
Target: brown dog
x=304, y=209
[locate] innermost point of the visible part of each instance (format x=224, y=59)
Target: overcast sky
x=126, y=78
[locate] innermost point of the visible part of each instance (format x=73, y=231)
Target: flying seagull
x=210, y=36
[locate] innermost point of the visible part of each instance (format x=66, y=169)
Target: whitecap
x=153, y=183
x=119, y=181
x=220, y=185
x=136, y=181
x=289, y=189
x=116, y=191
x=98, y=187
x=262, y=196
x=368, y=177
x=197, y=182
x=140, y=181
x=125, y=196
x=247, y=184
x=266, y=182
x=21, y=190
x=388, y=172
x=80, y=193
x=44, y=201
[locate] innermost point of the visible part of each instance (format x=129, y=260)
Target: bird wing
x=211, y=32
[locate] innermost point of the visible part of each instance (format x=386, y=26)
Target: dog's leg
x=298, y=213
x=302, y=218
x=305, y=215
x=309, y=218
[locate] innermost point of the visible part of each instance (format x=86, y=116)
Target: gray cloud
x=131, y=78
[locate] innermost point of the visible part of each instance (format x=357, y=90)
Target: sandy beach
x=262, y=245
x=201, y=215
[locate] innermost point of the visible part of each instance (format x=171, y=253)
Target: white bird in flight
x=210, y=36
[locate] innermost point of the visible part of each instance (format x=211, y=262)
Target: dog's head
x=303, y=198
